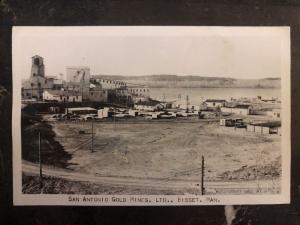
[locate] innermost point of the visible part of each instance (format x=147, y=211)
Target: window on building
x=39, y=84
x=32, y=84
x=92, y=93
x=45, y=81
x=36, y=61
x=34, y=74
x=60, y=97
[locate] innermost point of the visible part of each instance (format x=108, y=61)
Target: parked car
x=75, y=117
x=240, y=125
x=88, y=117
x=181, y=114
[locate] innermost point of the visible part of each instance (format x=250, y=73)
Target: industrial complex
x=82, y=96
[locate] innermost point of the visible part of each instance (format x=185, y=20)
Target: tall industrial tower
x=37, y=67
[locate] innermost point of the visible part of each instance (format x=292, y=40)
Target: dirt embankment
x=54, y=185
x=259, y=172
x=52, y=152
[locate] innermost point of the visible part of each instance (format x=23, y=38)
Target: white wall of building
x=103, y=113
x=78, y=74
x=214, y=104
x=239, y=111
x=63, y=97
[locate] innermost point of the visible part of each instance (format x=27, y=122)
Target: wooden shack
x=269, y=127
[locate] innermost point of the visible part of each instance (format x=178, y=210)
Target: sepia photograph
x=151, y=115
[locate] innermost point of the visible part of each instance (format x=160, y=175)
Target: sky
x=204, y=51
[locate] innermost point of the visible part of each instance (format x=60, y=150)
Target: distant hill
x=165, y=80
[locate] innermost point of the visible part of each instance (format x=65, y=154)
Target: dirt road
x=169, y=183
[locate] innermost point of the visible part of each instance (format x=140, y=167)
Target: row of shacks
x=267, y=127
x=271, y=127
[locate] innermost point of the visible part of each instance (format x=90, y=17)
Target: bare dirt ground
x=164, y=149
x=167, y=155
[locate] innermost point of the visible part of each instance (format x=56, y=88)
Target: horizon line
x=145, y=75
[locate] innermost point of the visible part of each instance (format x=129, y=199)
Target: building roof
x=270, y=124
x=244, y=106
x=37, y=56
x=148, y=103
x=81, y=108
x=215, y=100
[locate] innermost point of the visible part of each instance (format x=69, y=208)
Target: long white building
x=61, y=96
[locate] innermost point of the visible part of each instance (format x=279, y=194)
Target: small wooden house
x=238, y=109
x=214, y=103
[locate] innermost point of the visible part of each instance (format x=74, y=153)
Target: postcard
x=151, y=115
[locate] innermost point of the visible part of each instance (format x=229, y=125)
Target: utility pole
x=202, y=177
x=126, y=96
x=92, y=136
x=187, y=104
x=179, y=97
x=67, y=100
x=179, y=101
x=115, y=117
x=40, y=164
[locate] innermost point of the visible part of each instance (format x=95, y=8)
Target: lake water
x=198, y=94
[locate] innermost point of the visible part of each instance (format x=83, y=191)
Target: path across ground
x=170, y=183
